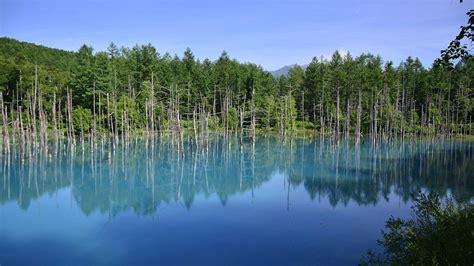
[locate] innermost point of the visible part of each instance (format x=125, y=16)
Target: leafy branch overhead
x=457, y=49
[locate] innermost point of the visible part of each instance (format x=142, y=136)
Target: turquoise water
x=301, y=202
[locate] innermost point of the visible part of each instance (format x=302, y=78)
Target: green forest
x=140, y=90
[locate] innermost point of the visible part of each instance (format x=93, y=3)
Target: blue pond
x=303, y=202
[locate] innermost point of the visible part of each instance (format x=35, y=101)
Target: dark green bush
x=439, y=234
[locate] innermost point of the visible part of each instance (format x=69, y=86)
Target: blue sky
x=270, y=33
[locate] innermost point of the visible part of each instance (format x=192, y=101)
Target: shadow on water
x=144, y=174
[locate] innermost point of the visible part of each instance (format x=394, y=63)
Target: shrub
x=439, y=234
x=81, y=114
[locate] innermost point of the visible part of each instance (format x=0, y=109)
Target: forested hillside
x=139, y=89
x=23, y=52
x=18, y=60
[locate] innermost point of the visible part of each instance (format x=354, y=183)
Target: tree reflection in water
x=145, y=174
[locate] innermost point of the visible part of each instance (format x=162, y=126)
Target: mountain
x=285, y=70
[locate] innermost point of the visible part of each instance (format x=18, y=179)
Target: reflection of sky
x=52, y=223
x=59, y=205
x=261, y=227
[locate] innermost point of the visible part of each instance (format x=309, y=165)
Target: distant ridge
x=285, y=70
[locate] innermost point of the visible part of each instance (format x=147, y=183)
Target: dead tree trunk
x=359, y=117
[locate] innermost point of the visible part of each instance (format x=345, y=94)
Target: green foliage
x=83, y=77
x=232, y=118
x=268, y=106
x=306, y=125
x=81, y=118
x=214, y=123
x=439, y=234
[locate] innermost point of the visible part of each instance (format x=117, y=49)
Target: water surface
x=302, y=202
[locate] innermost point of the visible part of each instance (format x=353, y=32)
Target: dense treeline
x=128, y=90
